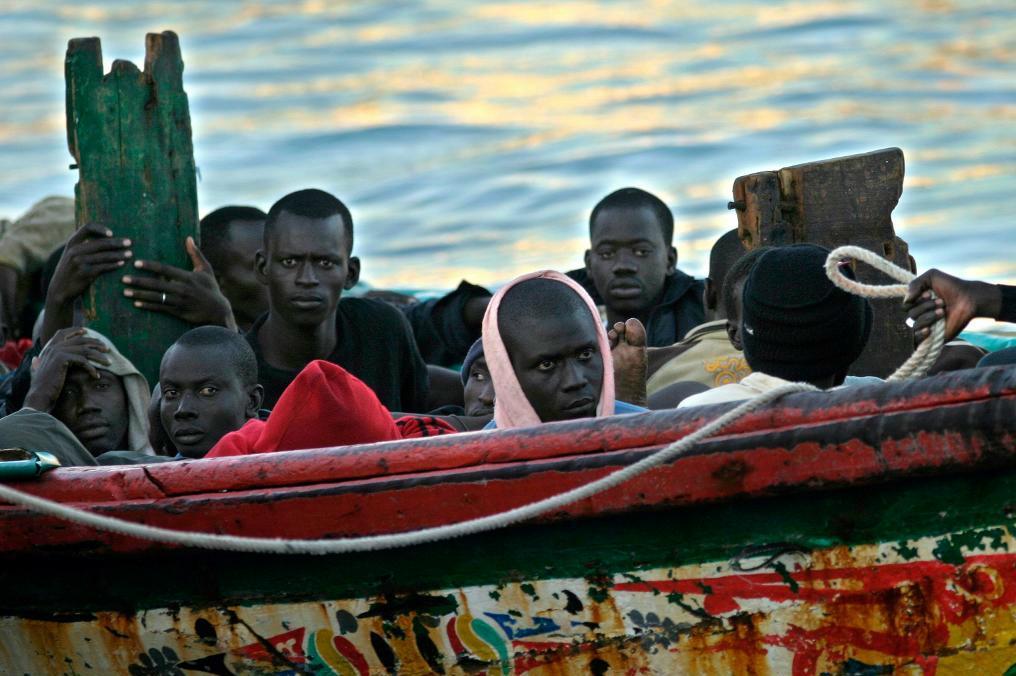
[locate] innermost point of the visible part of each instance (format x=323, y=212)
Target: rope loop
x=928, y=351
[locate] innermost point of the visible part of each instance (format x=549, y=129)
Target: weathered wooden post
x=129, y=132
x=845, y=200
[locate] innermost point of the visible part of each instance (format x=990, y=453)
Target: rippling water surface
x=472, y=139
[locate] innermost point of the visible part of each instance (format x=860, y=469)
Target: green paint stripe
x=487, y=633
x=593, y=548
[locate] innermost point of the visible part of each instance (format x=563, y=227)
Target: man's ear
x=734, y=334
x=671, y=260
x=587, y=257
x=352, y=273
x=254, y=398
x=709, y=295
x=261, y=266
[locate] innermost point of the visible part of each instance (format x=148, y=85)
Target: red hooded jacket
x=324, y=406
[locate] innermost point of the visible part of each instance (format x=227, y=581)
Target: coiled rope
x=494, y=521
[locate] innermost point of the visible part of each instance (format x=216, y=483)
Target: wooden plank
x=844, y=200
x=129, y=132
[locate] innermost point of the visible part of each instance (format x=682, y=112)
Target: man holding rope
x=959, y=301
x=796, y=326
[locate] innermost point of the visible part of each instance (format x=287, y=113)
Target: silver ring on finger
x=163, y=297
x=908, y=321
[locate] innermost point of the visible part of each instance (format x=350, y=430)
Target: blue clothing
x=999, y=358
x=620, y=408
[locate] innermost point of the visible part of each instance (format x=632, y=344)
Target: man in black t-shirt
x=306, y=263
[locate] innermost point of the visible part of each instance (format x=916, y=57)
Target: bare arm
x=958, y=300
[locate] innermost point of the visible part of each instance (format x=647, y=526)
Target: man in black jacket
x=631, y=267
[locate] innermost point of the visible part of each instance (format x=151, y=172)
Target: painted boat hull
x=831, y=534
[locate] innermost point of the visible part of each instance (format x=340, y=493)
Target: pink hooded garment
x=511, y=408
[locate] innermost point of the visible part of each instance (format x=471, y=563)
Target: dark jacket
x=440, y=331
x=37, y=431
x=16, y=384
x=1008, y=311
x=678, y=312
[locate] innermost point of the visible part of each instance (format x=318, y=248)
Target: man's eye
x=326, y=263
x=101, y=386
x=605, y=254
x=479, y=376
x=208, y=391
x=643, y=253
x=287, y=262
x=586, y=354
x=169, y=394
x=545, y=365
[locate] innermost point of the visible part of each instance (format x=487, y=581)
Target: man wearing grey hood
x=87, y=404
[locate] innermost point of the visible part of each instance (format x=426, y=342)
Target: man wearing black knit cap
x=796, y=326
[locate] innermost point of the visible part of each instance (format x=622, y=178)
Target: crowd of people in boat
x=281, y=357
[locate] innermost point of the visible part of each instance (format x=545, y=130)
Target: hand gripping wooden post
x=129, y=132
x=836, y=202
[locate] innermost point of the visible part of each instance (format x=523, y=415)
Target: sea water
x=472, y=139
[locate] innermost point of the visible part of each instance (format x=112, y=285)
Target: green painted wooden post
x=129, y=132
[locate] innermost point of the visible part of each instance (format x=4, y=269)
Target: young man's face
x=202, y=399
x=479, y=390
x=558, y=365
x=235, y=274
x=306, y=265
x=95, y=410
x=629, y=262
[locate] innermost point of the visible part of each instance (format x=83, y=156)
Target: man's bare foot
x=628, y=348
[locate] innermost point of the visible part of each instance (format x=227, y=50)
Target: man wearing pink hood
x=548, y=354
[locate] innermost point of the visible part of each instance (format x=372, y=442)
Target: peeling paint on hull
x=854, y=532
x=931, y=606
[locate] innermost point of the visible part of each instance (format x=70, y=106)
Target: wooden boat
x=866, y=530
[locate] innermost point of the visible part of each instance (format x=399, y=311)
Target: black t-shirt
x=375, y=344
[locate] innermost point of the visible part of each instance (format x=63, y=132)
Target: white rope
x=928, y=351
x=918, y=364
x=395, y=540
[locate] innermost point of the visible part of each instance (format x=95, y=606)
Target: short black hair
x=739, y=272
x=311, y=203
x=727, y=250
x=537, y=298
x=239, y=355
x=215, y=229
x=636, y=198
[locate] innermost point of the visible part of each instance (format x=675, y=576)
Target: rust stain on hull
x=897, y=607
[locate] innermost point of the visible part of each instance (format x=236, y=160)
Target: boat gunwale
x=870, y=447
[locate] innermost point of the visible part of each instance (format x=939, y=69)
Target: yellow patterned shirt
x=709, y=359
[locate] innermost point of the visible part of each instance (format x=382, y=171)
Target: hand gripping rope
x=915, y=366
x=928, y=351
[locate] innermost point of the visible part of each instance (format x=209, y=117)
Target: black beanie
x=475, y=352
x=797, y=325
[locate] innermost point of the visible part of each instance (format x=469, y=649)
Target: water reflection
x=471, y=139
